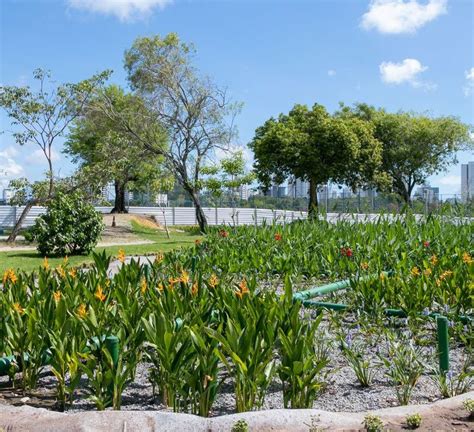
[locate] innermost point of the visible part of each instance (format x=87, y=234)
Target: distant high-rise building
x=7, y=195
x=467, y=181
x=298, y=188
x=243, y=192
x=427, y=192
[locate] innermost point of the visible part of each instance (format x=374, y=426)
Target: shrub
x=69, y=226
x=240, y=426
x=373, y=423
x=414, y=421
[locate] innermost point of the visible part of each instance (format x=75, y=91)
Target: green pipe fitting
x=5, y=363
x=112, y=346
x=443, y=343
x=324, y=305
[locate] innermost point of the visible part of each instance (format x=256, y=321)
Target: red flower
x=197, y=242
x=278, y=237
x=223, y=233
x=346, y=252
x=426, y=243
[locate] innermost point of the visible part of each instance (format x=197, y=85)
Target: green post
x=112, y=345
x=443, y=343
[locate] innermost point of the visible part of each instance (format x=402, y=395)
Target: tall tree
x=313, y=145
x=196, y=114
x=41, y=117
x=99, y=142
x=415, y=146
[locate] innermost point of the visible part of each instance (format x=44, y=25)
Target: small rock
x=24, y=399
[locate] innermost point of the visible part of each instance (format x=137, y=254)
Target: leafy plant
x=413, y=421
x=469, y=406
x=240, y=426
x=69, y=226
x=355, y=354
x=373, y=423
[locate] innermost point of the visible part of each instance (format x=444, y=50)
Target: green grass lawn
x=30, y=260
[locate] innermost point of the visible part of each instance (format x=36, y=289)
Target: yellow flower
x=427, y=272
x=17, y=308
x=99, y=294
x=434, y=259
x=445, y=274
x=213, y=281
x=207, y=380
x=45, y=263
x=172, y=282
x=121, y=255
x=194, y=289
x=415, y=271
x=364, y=265
x=159, y=257
x=81, y=310
x=61, y=272
x=65, y=260
x=57, y=296
x=382, y=276
x=73, y=272
x=9, y=275
x=160, y=287
x=438, y=282
x=467, y=259
x=184, y=277
x=143, y=285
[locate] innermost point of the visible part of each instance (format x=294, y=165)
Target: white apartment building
x=467, y=181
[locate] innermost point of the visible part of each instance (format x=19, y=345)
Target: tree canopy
x=109, y=152
x=415, y=146
x=313, y=145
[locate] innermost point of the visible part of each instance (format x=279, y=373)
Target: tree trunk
x=119, y=204
x=19, y=223
x=313, y=199
x=200, y=216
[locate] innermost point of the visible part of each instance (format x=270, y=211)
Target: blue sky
x=400, y=54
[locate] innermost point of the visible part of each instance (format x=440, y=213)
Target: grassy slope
x=29, y=260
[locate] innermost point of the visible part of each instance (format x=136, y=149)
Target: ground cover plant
x=221, y=313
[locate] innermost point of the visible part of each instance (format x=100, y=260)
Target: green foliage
x=240, y=426
x=69, y=226
x=355, y=354
x=413, y=421
x=373, y=423
x=469, y=406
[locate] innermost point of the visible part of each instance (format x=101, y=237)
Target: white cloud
x=469, y=87
x=406, y=71
x=124, y=10
x=401, y=16
x=331, y=72
x=37, y=157
x=450, y=180
x=9, y=168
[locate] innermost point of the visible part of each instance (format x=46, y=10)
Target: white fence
x=174, y=215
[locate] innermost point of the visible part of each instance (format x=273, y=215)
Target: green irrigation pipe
x=329, y=288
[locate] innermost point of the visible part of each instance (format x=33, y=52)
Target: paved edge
x=447, y=414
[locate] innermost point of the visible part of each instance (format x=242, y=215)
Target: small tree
x=227, y=177
x=415, y=146
x=41, y=117
x=69, y=226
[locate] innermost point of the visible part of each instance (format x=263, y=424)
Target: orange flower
x=223, y=233
x=159, y=257
x=81, y=310
x=364, y=265
x=434, y=259
x=99, y=294
x=197, y=242
x=17, y=308
x=159, y=287
x=467, y=259
x=9, y=275
x=243, y=289
x=121, y=255
x=143, y=285
x=57, y=296
x=172, y=282
x=213, y=281
x=195, y=289
x=445, y=274
x=278, y=237
x=65, y=260
x=415, y=271
x=45, y=263
x=73, y=272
